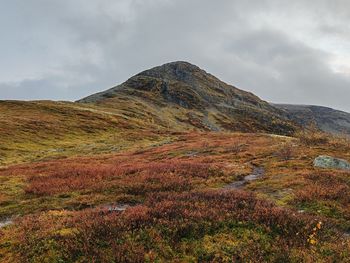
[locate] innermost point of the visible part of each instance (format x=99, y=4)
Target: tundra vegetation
x=171, y=166
x=177, y=207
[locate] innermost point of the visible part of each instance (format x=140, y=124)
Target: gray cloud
x=284, y=51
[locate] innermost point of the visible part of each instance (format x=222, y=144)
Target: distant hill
x=180, y=94
x=326, y=119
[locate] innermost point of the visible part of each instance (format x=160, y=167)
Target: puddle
x=111, y=208
x=257, y=173
x=117, y=208
x=6, y=222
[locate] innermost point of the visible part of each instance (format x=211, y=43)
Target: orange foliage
x=324, y=186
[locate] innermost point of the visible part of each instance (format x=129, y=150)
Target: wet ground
x=258, y=172
x=5, y=222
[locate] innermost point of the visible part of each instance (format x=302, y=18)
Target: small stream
x=258, y=172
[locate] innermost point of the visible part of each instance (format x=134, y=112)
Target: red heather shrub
x=171, y=175
x=157, y=229
x=72, y=177
x=324, y=186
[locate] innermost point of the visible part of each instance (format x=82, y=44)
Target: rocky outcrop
x=331, y=163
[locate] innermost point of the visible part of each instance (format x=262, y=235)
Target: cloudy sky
x=284, y=51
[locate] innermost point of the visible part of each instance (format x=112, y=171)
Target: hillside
x=171, y=166
x=179, y=94
x=42, y=130
x=324, y=118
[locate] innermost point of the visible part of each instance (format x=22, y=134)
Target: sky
x=283, y=51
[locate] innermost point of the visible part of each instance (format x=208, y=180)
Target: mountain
x=324, y=118
x=181, y=95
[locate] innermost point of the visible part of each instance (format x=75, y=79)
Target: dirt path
x=258, y=172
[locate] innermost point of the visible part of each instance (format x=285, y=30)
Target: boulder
x=324, y=161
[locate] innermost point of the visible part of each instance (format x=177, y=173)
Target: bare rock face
x=185, y=93
x=329, y=162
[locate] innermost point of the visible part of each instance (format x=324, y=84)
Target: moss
x=325, y=208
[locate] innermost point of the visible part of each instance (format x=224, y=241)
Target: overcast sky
x=284, y=51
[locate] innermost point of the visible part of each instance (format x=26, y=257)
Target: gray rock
x=324, y=161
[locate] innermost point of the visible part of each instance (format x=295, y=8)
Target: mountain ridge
x=324, y=118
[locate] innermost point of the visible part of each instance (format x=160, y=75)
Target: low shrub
x=285, y=152
x=171, y=227
x=312, y=137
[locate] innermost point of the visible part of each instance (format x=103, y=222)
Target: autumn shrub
x=340, y=141
x=171, y=227
x=72, y=177
x=235, y=148
x=324, y=186
x=145, y=183
x=132, y=177
x=312, y=137
x=285, y=152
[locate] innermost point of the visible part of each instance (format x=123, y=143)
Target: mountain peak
x=178, y=64
x=182, y=94
x=178, y=70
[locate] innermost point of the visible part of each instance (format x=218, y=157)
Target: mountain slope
x=37, y=130
x=179, y=94
x=324, y=118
